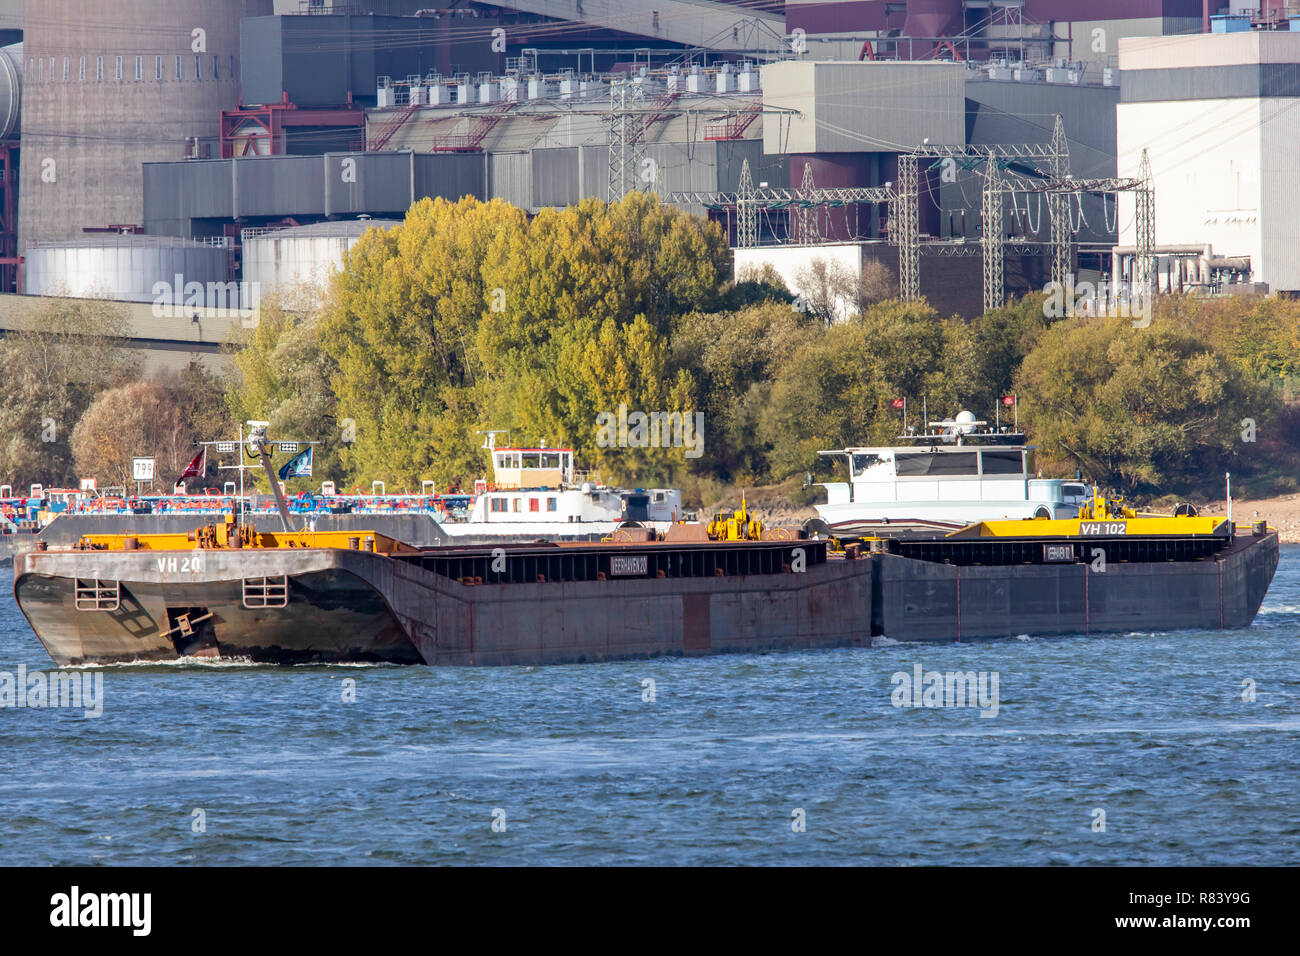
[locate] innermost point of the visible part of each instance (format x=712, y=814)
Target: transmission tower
x=626, y=137
x=1058, y=206
x=747, y=201
x=746, y=210
x=992, y=239
x=903, y=219
x=809, y=216
x=1146, y=227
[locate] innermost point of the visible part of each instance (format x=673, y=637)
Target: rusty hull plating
x=345, y=597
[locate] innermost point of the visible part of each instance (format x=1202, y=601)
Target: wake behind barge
x=225, y=591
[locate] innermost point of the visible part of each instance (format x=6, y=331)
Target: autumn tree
x=837, y=389
x=282, y=375
x=63, y=354
x=734, y=357
x=827, y=289
x=139, y=419
x=468, y=316
x=1154, y=410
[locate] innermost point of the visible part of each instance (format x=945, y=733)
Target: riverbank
x=1281, y=513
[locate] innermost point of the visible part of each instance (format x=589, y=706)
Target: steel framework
x=747, y=201
x=1145, y=225
x=626, y=137
x=1042, y=162
x=1058, y=205
x=904, y=219
x=991, y=238
x=746, y=210
x=1144, y=219
x=809, y=215
x=1042, y=168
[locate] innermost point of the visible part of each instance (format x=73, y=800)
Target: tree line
x=470, y=316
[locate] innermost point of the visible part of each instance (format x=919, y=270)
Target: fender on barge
x=332, y=597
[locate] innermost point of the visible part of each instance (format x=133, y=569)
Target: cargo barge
x=293, y=597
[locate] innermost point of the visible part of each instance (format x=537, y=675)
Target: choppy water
x=1150, y=728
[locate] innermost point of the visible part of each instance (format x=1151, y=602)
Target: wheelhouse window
x=932, y=464
x=864, y=461
x=1003, y=462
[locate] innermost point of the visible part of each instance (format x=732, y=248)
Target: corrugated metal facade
x=510, y=177
x=450, y=175
x=863, y=107
x=320, y=60
x=1211, y=82
x=273, y=187
x=556, y=175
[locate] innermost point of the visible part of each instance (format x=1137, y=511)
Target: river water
x=1120, y=749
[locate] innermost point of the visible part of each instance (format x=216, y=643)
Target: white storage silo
x=11, y=90
x=301, y=256
x=124, y=83
x=160, y=269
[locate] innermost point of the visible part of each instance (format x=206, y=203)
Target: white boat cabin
x=538, y=486
x=950, y=477
x=532, y=467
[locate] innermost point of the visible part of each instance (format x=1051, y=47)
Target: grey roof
x=128, y=241
x=343, y=227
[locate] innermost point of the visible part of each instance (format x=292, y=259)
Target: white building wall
x=789, y=261
x=1280, y=188
x=1206, y=162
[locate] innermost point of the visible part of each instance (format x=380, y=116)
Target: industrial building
x=1217, y=114
x=969, y=145
x=106, y=89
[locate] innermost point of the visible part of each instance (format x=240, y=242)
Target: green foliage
x=68, y=352
x=1001, y=339
x=838, y=389
x=1145, y=410
x=470, y=316
x=283, y=376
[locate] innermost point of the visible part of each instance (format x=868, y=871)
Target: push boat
x=227, y=590
x=534, y=493
x=952, y=474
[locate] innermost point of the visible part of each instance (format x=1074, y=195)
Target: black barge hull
x=530, y=605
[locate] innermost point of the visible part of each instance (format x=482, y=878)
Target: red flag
x=196, y=468
x=1008, y=399
x=897, y=403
